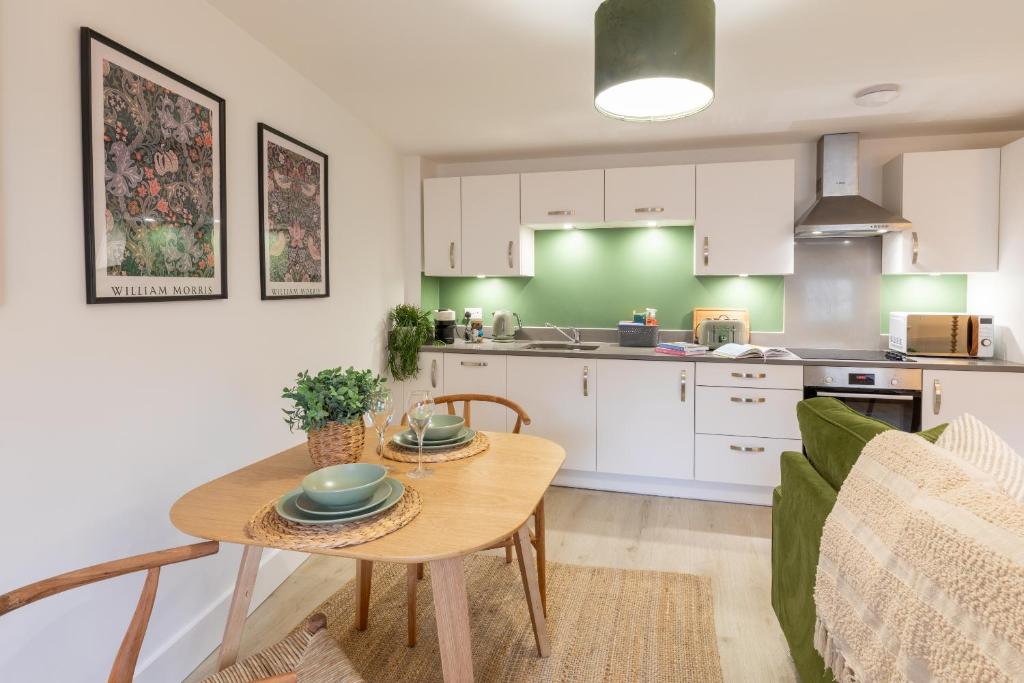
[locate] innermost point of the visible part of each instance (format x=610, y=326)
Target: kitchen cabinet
x=992, y=397
x=752, y=461
x=442, y=226
x=744, y=218
x=493, y=242
x=637, y=196
x=952, y=201
x=560, y=396
x=769, y=413
x=555, y=199
x=645, y=419
x=749, y=375
x=430, y=377
x=478, y=373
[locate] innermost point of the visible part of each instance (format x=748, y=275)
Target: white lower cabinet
x=738, y=411
x=430, y=377
x=753, y=461
x=995, y=398
x=645, y=419
x=560, y=396
x=477, y=373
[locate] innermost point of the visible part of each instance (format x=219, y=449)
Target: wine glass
x=380, y=413
x=421, y=408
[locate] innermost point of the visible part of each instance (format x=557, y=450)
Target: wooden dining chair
x=536, y=534
x=309, y=651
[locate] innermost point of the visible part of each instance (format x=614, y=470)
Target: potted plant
x=409, y=328
x=329, y=407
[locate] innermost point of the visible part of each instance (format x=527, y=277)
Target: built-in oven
x=892, y=395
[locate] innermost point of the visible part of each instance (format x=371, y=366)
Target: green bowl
x=443, y=427
x=339, y=485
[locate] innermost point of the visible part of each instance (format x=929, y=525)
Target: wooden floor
x=730, y=543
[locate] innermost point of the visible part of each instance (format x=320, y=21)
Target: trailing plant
x=409, y=328
x=333, y=395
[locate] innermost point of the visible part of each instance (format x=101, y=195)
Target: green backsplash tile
x=595, y=278
x=924, y=293
x=430, y=293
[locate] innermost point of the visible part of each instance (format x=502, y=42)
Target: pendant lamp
x=654, y=60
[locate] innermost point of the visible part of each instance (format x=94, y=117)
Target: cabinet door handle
x=749, y=375
x=586, y=380
x=937, y=398
x=649, y=209
x=451, y=255
x=682, y=386
x=916, y=247
x=473, y=364
x=707, y=250
x=433, y=374
x=744, y=399
x=510, y=254
x=562, y=212
x=747, y=449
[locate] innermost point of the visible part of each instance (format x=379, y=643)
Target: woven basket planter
x=336, y=443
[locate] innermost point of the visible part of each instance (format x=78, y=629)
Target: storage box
x=635, y=334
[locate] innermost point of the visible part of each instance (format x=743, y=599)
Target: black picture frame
x=262, y=132
x=177, y=291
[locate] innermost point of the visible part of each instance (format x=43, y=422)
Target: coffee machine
x=444, y=326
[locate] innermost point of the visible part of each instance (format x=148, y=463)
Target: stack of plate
x=341, y=493
x=407, y=439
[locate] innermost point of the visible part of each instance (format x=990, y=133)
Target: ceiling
x=475, y=79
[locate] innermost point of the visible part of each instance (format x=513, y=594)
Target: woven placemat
x=478, y=445
x=270, y=528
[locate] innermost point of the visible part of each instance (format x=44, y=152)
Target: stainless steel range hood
x=839, y=210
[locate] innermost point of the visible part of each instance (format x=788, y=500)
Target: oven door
x=902, y=410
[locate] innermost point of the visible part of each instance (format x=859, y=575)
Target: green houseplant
x=409, y=328
x=329, y=407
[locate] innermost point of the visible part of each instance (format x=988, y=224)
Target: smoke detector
x=877, y=95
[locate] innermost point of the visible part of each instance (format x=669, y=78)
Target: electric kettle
x=505, y=325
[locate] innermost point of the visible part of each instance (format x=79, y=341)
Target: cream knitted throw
x=921, y=571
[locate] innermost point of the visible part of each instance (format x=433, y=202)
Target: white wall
x=109, y=413
x=1000, y=293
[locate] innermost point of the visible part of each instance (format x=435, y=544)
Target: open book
x=750, y=351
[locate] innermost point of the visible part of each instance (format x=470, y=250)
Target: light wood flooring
x=730, y=543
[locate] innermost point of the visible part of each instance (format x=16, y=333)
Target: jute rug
x=604, y=624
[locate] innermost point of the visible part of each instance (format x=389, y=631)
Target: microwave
x=957, y=335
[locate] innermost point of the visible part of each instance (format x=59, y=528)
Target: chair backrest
x=128, y=654
x=467, y=407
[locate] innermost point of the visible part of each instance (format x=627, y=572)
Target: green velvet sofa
x=833, y=436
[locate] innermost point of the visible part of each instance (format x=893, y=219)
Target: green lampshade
x=654, y=60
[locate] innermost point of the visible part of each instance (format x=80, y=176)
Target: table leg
x=542, y=554
x=411, y=583
x=528, y=568
x=239, y=609
x=364, y=572
x=451, y=607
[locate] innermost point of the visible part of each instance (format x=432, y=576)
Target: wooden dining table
x=467, y=505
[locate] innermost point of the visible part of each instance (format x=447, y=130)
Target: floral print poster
x=154, y=180
x=293, y=217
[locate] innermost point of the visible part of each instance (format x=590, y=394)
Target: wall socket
x=475, y=313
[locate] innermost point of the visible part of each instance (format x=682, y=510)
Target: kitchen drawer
x=750, y=375
x=478, y=373
x=740, y=459
x=770, y=413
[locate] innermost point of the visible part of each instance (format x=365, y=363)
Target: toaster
x=713, y=333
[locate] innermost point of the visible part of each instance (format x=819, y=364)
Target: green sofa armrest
x=799, y=508
x=834, y=435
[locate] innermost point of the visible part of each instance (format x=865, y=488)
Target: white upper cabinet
x=952, y=201
x=559, y=198
x=744, y=218
x=442, y=226
x=637, y=196
x=493, y=243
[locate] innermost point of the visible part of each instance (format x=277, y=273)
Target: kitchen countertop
x=614, y=351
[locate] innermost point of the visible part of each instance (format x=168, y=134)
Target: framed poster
x=293, y=217
x=153, y=165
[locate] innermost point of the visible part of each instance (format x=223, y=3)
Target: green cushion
x=834, y=435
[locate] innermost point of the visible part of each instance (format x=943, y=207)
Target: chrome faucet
x=572, y=335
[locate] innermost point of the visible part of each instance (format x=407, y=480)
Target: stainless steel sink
x=560, y=346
